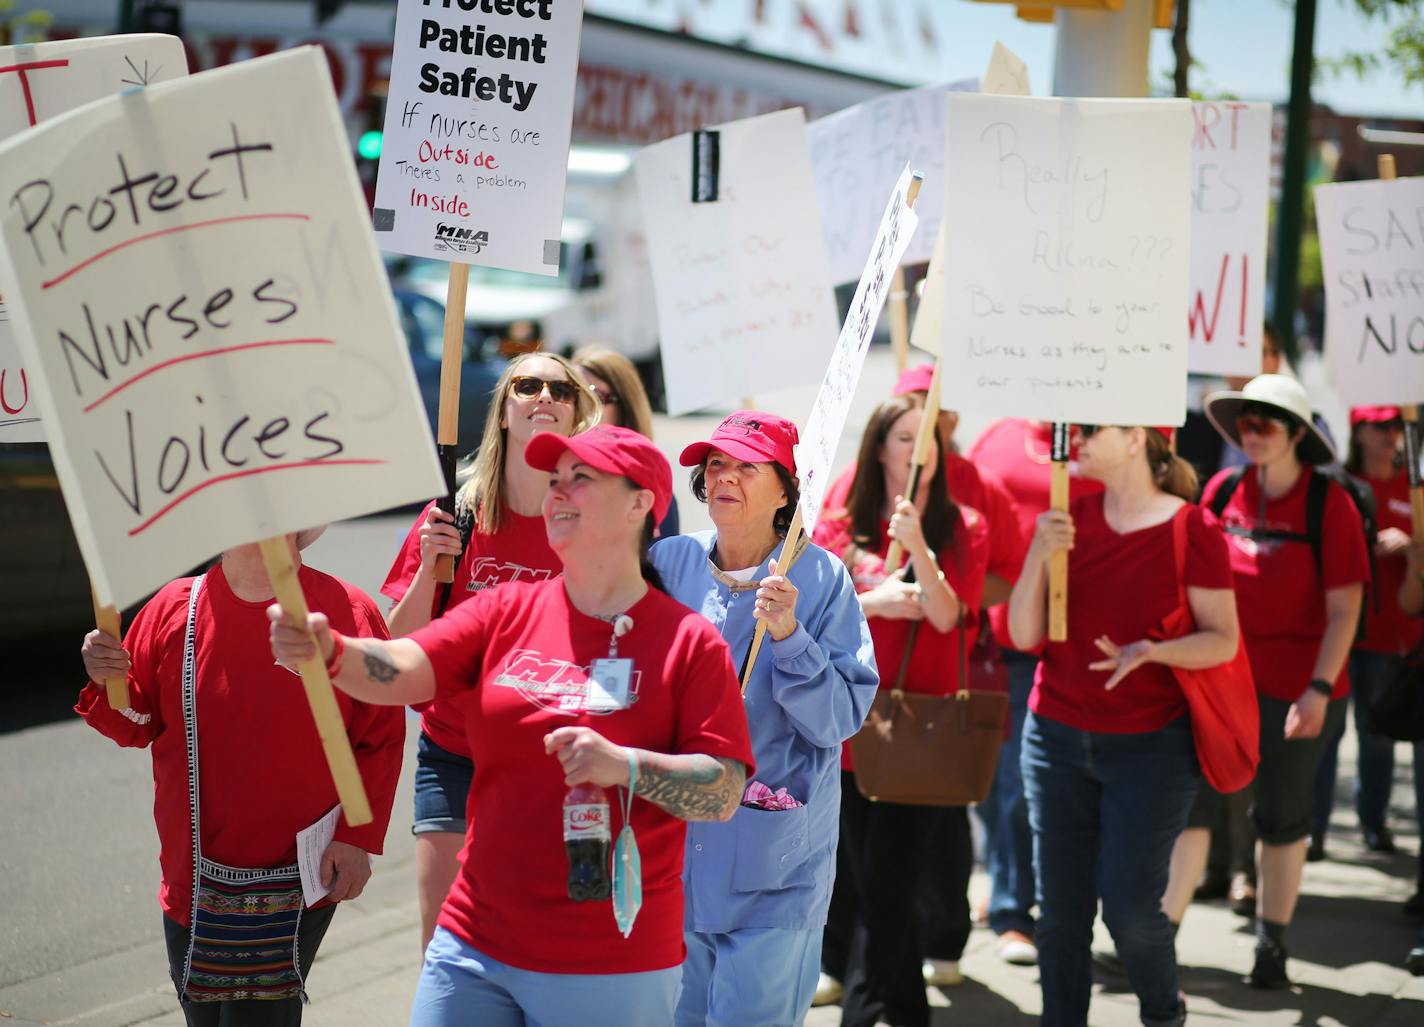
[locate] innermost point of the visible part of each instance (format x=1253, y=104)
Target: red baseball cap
x=1374, y=415
x=612, y=450
x=749, y=435
x=914, y=379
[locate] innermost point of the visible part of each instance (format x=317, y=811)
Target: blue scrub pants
x=762, y=976
x=461, y=985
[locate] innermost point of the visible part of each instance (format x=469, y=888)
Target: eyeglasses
x=528, y=386
x=1087, y=431
x=608, y=399
x=1255, y=424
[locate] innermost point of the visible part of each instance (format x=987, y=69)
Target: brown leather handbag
x=930, y=750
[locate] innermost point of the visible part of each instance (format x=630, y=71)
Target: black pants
x=285, y=1012
x=874, y=938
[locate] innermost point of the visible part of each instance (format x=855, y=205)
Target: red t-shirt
x=934, y=662
x=263, y=776
x=1124, y=587
x=521, y=653
x=519, y=551
x=1017, y=453
x=1390, y=629
x=1280, y=591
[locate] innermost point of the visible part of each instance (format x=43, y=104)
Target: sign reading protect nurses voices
x=1372, y=249
x=38, y=82
x=192, y=270
x=475, y=151
x=1068, y=233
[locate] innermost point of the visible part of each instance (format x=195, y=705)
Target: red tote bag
x=1226, y=722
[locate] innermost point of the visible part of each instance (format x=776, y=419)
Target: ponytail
x=645, y=563
x=1171, y=473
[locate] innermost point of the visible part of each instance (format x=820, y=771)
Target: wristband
x=1322, y=686
x=338, y=650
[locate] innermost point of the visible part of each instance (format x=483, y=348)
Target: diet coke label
x=586, y=821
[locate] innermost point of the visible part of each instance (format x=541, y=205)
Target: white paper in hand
x=312, y=843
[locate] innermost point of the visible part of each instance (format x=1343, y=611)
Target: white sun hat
x=1277, y=390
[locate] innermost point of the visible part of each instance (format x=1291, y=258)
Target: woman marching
x=496, y=535
x=1299, y=558
x=758, y=887
x=595, y=677
x=1109, y=763
x=916, y=627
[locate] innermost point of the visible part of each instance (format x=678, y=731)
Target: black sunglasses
x=528, y=386
x=1087, y=431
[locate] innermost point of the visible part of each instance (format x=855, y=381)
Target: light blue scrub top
x=809, y=693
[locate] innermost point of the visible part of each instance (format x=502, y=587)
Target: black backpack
x=1360, y=494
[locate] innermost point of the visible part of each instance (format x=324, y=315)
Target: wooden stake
x=900, y=320
x=790, y=553
x=447, y=435
x=106, y=619
x=1058, y=562
x=329, y=725
x=921, y=455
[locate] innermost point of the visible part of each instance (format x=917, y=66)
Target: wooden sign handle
x=106, y=619
x=1058, y=562
x=320, y=696
x=447, y=434
x=900, y=320
x=790, y=552
x=918, y=459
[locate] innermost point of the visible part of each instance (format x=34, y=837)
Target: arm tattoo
x=379, y=667
x=702, y=792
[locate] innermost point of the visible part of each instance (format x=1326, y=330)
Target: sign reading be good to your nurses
x=1067, y=232
x=38, y=82
x=743, y=288
x=475, y=151
x=192, y=270
x=1372, y=248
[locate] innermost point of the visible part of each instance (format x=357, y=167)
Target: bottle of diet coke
x=587, y=838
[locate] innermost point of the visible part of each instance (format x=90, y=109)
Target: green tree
x=1404, y=50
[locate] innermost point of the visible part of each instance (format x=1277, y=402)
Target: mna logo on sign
x=463, y=239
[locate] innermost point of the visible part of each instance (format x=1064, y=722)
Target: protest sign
x=476, y=142
x=743, y=290
x=1231, y=170
x=191, y=269
x=1371, y=238
x=1067, y=226
x=37, y=82
x=858, y=153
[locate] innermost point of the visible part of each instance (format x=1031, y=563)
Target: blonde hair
x=482, y=497
x=622, y=377
x=1172, y=474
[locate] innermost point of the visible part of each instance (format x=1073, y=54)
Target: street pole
x=1290, y=214
x=1102, y=52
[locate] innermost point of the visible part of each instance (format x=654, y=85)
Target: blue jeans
x=1009, y=843
x=1369, y=672
x=1105, y=811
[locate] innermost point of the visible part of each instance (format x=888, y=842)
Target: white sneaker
x=1016, y=948
x=828, y=991
x=942, y=973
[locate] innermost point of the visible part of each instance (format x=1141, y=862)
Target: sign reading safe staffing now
x=37, y=82
x=1372, y=249
x=1068, y=234
x=192, y=270
x=475, y=150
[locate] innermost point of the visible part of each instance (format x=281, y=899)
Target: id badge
x=608, y=684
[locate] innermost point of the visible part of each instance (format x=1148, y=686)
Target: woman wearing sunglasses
x=615, y=381
x=496, y=535
x=1109, y=762
x=1299, y=598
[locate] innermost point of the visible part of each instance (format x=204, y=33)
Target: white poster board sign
x=744, y=293
x=219, y=351
x=1371, y=241
x=817, y=449
x=474, y=155
x=1231, y=172
x=858, y=154
x=1067, y=227
x=38, y=82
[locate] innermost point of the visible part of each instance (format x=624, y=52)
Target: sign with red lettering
x=1371, y=239
x=191, y=269
x=38, y=82
x=1231, y=169
x=476, y=144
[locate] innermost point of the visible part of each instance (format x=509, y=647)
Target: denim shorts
x=442, y=788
